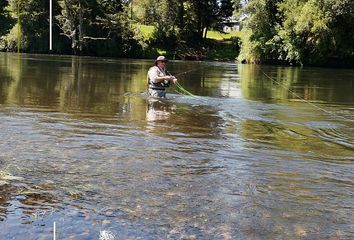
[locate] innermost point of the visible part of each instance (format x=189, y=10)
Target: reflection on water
x=314, y=84
x=159, y=109
x=246, y=159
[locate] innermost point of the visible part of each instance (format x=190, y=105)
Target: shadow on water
x=245, y=159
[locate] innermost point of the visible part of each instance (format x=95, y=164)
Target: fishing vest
x=160, y=85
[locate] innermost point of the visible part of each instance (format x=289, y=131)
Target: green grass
x=147, y=32
x=222, y=36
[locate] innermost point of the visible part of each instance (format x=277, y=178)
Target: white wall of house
x=235, y=27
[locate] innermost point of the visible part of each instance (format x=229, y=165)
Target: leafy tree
x=183, y=20
x=260, y=27
x=34, y=26
x=71, y=22
x=341, y=25
x=95, y=27
x=207, y=14
x=6, y=21
x=299, y=31
x=315, y=31
x=112, y=25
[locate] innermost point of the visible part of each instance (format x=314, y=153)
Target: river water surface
x=258, y=153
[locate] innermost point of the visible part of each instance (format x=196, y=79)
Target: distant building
x=233, y=24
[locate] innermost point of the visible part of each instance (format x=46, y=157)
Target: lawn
x=222, y=36
x=147, y=32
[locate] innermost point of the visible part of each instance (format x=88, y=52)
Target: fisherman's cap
x=160, y=58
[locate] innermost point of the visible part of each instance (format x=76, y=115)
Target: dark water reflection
x=260, y=153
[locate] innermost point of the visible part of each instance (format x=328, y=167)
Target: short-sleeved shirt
x=156, y=89
x=155, y=72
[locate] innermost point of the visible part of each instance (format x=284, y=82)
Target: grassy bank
x=217, y=46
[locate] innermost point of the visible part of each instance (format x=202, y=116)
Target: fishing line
x=302, y=99
x=181, y=90
x=178, y=87
x=189, y=71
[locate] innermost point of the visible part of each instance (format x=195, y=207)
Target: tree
x=6, y=22
x=208, y=14
x=316, y=31
x=33, y=25
x=71, y=22
x=297, y=31
x=260, y=27
x=183, y=20
x=97, y=27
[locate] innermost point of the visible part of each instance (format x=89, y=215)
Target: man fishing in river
x=159, y=78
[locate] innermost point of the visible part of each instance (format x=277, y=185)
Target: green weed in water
x=5, y=176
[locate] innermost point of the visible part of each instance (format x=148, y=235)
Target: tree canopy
x=5, y=19
x=281, y=31
x=298, y=31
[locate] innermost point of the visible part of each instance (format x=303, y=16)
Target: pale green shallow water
x=81, y=146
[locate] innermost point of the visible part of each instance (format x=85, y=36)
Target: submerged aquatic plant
x=5, y=176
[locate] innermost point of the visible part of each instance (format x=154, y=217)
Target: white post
x=54, y=227
x=50, y=25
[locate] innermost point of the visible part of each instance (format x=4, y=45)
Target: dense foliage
x=298, y=31
x=5, y=19
x=276, y=31
x=106, y=27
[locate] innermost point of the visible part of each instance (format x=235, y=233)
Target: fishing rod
x=182, y=73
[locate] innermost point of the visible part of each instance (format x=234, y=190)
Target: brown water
x=250, y=157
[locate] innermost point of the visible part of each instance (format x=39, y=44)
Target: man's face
x=161, y=64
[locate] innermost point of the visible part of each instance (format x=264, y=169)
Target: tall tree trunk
x=199, y=24
x=181, y=14
x=80, y=28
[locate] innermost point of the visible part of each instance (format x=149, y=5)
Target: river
x=259, y=152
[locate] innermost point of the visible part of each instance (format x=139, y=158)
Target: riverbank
x=210, y=50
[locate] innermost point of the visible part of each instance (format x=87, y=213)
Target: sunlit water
x=259, y=152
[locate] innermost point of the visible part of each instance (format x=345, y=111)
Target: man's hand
x=173, y=79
